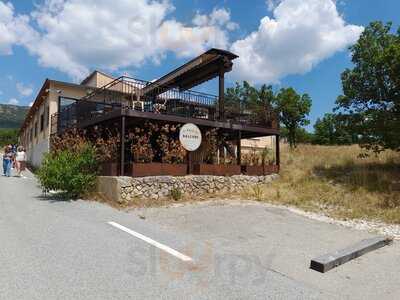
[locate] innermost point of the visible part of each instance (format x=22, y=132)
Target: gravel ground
x=390, y=230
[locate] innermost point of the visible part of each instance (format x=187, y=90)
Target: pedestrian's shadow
x=54, y=197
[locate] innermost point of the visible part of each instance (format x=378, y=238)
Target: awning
x=200, y=69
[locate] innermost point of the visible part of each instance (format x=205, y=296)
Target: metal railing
x=128, y=93
x=82, y=110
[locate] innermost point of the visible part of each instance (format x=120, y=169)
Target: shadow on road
x=54, y=197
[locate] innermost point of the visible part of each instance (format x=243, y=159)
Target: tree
x=291, y=107
x=246, y=98
x=261, y=103
x=371, y=90
x=302, y=135
x=333, y=129
x=293, y=111
x=8, y=136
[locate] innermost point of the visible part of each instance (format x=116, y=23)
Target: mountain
x=12, y=116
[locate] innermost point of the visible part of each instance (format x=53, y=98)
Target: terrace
x=128, y=102
x=127, y=96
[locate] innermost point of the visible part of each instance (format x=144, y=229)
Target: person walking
x=7, y=161
x=20, y=159
x=4, y=161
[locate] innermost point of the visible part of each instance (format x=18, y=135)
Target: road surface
x=86, y=250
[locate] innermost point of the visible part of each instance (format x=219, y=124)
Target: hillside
x=12, y=116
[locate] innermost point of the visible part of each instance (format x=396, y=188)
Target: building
x=103, y=100
x=52, y=97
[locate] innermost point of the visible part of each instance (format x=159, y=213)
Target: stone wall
x=123, y=189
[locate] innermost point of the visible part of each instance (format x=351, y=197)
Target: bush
x=176, y=194
x=8, y=136
x=257, y=192
x=71, y=172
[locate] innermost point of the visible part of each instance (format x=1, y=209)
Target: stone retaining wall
x=123, y=189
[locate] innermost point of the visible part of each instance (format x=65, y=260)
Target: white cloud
x=188, y=41
x=272, y=4
x=30, y=104
x=7, y=37
x=219, y=17
x=301, y=34
x=74, y=36
x=13, y=101
x=208, y=31
x=13, y=29
x=24, y=90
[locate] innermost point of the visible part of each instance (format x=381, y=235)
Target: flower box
x=109, y=169
x=216, y=170
x=156, y=169
x=259, y=170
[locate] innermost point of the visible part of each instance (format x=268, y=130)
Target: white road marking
x=152, y=242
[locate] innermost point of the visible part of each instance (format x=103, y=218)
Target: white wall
x=35, y=154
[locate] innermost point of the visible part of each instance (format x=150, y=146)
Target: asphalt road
x=67, y=250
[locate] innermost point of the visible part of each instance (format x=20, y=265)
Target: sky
x=298, y=43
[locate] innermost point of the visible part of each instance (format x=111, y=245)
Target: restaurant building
x=126, y=103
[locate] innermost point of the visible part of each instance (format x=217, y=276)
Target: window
x=64, y=102
x=41, y=122
x=47, y=116
x=31, y=134
x=36, y=127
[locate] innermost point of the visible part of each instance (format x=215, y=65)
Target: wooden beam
x=105, y=117
x=277, y=152
x=247, y=130
x=221, y=96
x=239, y=148
x=329, y=261
x=122, y=138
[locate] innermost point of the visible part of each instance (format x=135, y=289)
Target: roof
x=41, y=96
x=198, y=70
x=87, y=79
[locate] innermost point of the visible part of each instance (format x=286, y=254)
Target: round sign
x=190, y=137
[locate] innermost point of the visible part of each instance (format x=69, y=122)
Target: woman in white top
x=20, y=158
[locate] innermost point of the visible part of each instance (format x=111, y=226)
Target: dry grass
x=335, y=180
x=331, y=179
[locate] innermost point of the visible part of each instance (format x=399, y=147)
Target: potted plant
x=257, y=164
x=152, y=142
x=143, y=155
x=210, y=165
x=172, y=152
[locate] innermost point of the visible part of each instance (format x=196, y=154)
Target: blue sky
x=299, y=43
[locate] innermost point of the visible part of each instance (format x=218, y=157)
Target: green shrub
x=71, y=172
x=8, y=136
x=257, y=192
x=176, y=194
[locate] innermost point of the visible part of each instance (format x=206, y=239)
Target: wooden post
x=122, y=169
x=278, y=159
x=239, y=148
x=221, y=106
x=189, y=162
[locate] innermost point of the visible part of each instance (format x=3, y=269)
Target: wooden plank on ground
x=329, y=261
